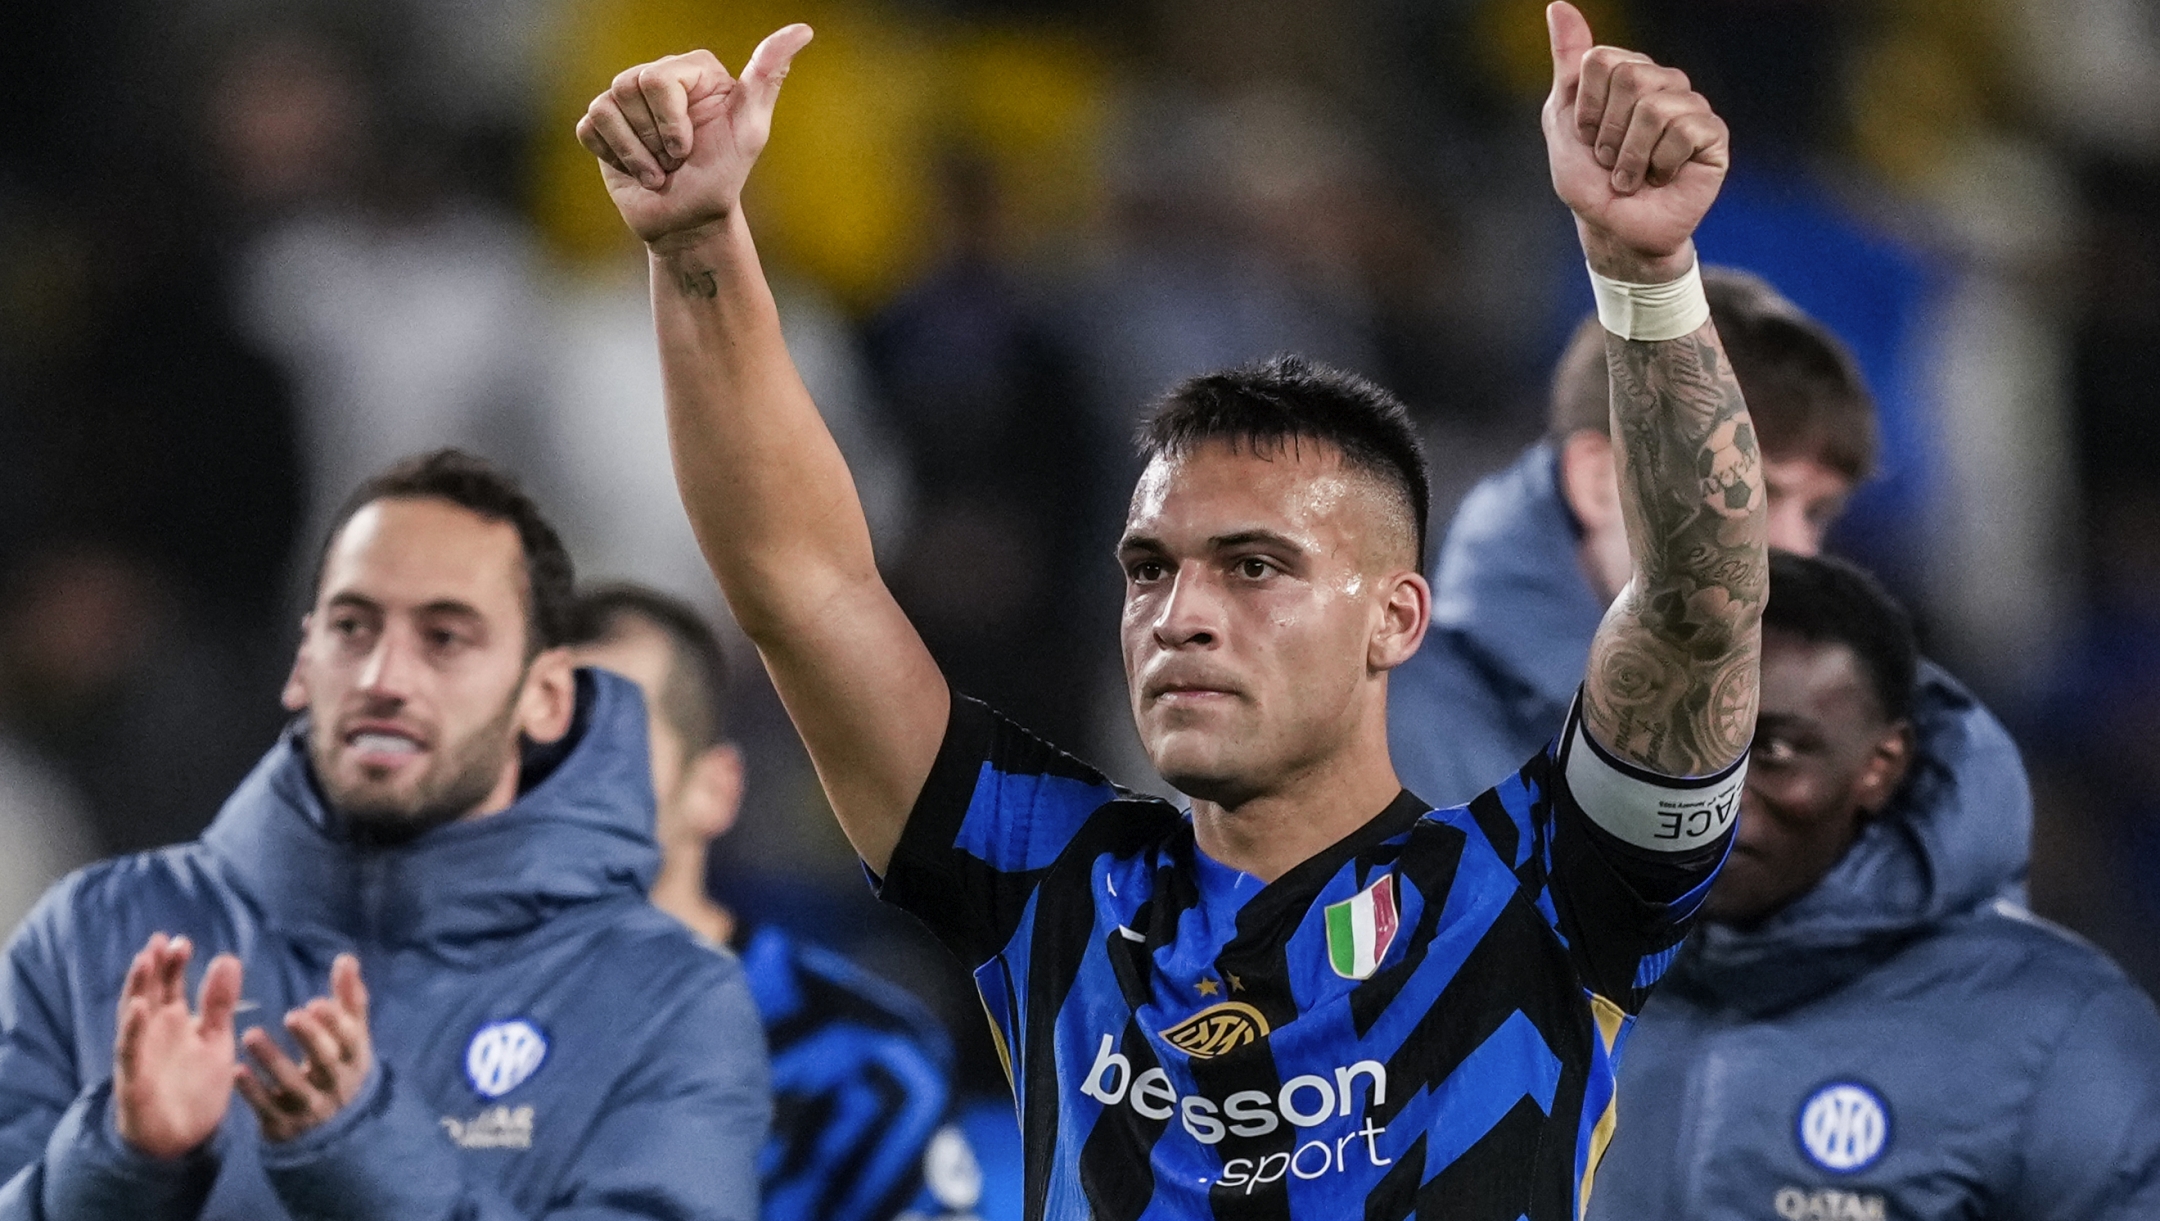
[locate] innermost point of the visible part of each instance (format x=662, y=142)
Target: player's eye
x=1144, y=572
x=1253, y=568
x=1775, y=750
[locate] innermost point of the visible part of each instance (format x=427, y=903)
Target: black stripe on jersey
x=1063, y=930
x=1500, y=830
x=1116, y=1172
x=1397, y=1192
x=1517, y=966
x=1492, y=1180
x=1432, y=870
x=937, y=880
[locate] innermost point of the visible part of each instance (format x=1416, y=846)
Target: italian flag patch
x=1361, y=928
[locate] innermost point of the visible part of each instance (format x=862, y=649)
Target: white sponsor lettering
x=1304, y=1101
x=1795, y=1204
x=1246, y=1173
x=1152, y=1088
x=494, y=1128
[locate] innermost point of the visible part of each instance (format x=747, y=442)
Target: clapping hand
x=332, y=1032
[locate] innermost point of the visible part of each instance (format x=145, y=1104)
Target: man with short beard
x=462, y=819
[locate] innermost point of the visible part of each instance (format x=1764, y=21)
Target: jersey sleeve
x=1618, y=858
x=999, y=809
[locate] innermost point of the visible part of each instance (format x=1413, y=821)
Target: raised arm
x=1674, y=669
x=768, y=493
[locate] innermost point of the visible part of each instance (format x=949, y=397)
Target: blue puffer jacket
x=1904, y=1041
x=548, y=1044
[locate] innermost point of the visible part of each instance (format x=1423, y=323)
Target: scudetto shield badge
x=1217, y=1029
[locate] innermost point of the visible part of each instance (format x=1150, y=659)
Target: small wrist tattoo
x=698, y=284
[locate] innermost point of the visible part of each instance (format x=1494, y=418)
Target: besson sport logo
x=1304, y=1102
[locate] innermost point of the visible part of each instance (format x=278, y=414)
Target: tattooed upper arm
x=1675, y=666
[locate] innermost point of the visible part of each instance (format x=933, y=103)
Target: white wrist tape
x=1652, y=312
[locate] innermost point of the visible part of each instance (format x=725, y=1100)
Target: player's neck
x=1273, y=832
x=680, y=892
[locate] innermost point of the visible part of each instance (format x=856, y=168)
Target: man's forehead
x=1301, y=487
x=1291, y=478
x=1819, y=679
x=424, y=550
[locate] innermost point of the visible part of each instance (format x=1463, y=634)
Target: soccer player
x=1863, y=1029
x=462, y=818
x=1538, y=551
x=1313, y=995
x=861, y=1072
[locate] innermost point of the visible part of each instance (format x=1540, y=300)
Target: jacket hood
x=581, y=830
x=1510, y=586
x=1956, y=839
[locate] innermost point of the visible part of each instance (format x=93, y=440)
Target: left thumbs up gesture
x=1635, y=152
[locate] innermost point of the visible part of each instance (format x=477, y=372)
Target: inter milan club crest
x=1217, y=1029
x=502, y=1055
x=1844, y=1127
x=1361, y=928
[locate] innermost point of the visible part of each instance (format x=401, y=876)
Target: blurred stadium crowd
x=251, y=251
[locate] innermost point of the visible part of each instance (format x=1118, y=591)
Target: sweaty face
x=1255, y=586
x=411, y=666
x=1824, y=759
x=1805, y=500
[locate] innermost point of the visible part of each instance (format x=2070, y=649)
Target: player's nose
x=1191, y=614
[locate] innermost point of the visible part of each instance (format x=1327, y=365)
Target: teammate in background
x=1313, y=995
x=861, y=1072
x=1538, y=551
x=465, y=820
x=1862, y=1028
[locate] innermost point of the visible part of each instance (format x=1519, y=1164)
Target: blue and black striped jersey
x=1422, y=1019
x=862, y=1094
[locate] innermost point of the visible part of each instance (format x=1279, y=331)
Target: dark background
x=249, y=252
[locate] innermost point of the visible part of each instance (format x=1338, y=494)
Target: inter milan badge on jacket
x=1361, y=928
x=1844, y=1127
x=502, y=1055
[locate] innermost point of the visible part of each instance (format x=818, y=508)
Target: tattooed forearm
x=1674, y=668
x=697, y=283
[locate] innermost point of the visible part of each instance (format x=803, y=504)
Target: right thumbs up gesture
x=676, y=137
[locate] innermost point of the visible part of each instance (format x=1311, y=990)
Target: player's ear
x=295, y=695
x=1885, y=769
x=1402, y=622
x=549, y=698
x=712, y=793
x=1590, y=479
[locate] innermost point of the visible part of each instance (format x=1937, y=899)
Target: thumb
x=1570, y=33
x=220, y=995
x=346, y=986
x=768, y=64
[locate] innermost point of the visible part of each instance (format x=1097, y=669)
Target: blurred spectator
x=45, y=827
x=983, y=391
x=399, y=298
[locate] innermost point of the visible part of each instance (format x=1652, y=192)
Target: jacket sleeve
x=2091, y=1146
x=678, y=1139
x=62, y=1159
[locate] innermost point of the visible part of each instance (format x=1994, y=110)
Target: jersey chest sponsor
x=1304, y=1101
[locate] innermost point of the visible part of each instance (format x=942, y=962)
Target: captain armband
x=1660, y=813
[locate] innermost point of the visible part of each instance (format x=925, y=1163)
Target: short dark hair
x=473, y=484
x=1804, y=390
x=694, y=699
x=1285, y=399
x=1828, y=601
